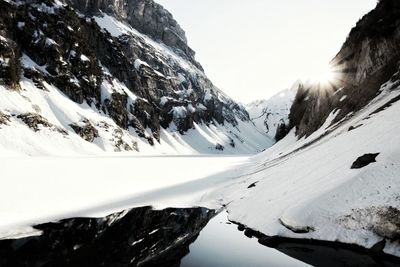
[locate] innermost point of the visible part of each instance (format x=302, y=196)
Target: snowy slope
x=267, y=115
x=58, y=138
x=131, y=93
x=307, y=184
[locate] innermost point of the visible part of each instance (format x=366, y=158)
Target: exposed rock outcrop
x=384, y=221
x=85, y=130
x=4, y=118
x=146, y=16
x=364, y=160
x=9, y=61
x=369, y=58
x=37, y=121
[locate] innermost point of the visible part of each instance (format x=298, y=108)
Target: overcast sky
x=251, y=49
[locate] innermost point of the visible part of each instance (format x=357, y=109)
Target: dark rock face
x=281, y=131
x=364, y=160
x=9, y=62
x=368, y=58
x=78, y=57
x=146, y=16
x=138, y=237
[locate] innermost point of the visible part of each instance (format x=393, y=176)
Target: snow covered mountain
x=336, y=175
x=86, y=76
x=273, y=114
x=111, y=83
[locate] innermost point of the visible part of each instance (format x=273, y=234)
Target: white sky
x=254, y=48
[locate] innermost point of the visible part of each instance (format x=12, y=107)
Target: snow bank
x=308, y=183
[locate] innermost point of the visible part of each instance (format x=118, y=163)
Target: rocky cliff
x=146, y=16
x=369, y=58
x=127, y=61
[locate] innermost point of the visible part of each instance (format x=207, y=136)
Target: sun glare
x=323, y=76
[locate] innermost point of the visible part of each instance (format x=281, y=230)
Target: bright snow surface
x=305, y=182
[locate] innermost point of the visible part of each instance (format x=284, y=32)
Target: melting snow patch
x=139, y=63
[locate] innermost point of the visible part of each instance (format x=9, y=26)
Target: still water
x=220, y=244
x=191, y=237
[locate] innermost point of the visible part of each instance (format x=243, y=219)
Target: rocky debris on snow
x=364, y=160
x=219, y=147
x=4, y=118
x=383, y=221
x=252, y=185
x=85, y=130
x=34, y=121
x=103, y=124
x=120, y=144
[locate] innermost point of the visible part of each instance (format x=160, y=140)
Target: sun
x=324, y=76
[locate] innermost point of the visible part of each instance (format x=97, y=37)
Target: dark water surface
x=221, y=244
x=192, y=237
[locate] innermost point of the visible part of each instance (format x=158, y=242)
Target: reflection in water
x=332, y=255
x=170, y=237
x=220, y=244
x=138, y=237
